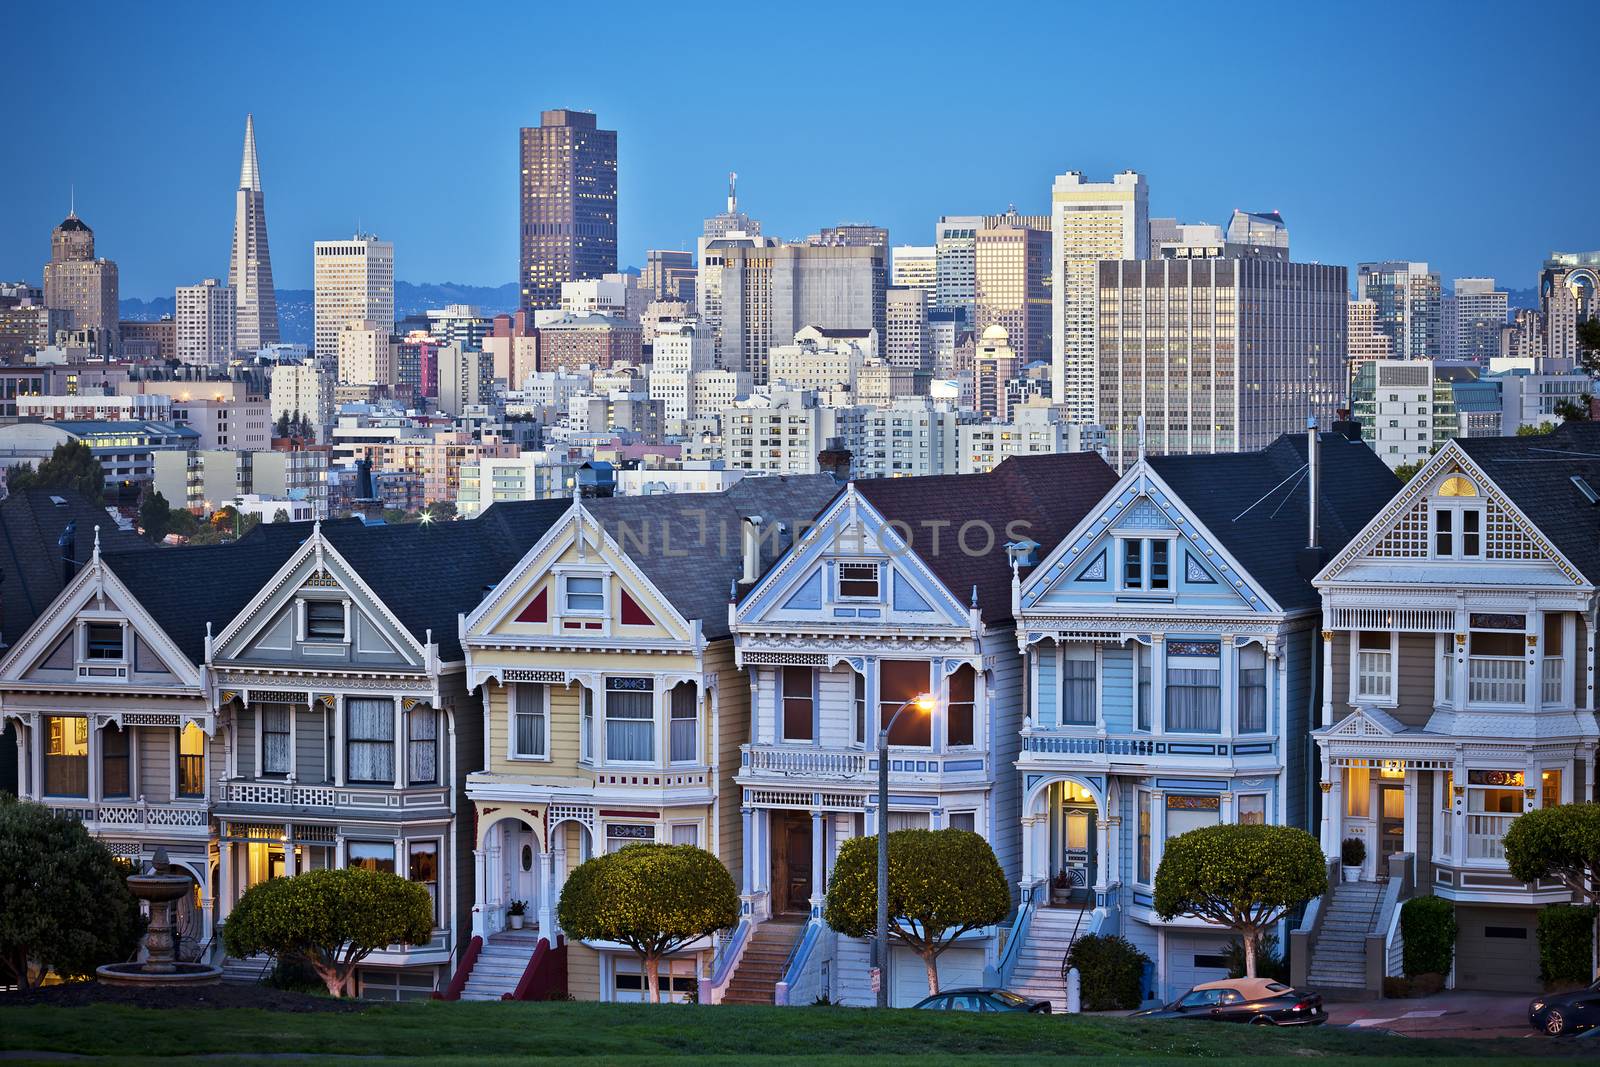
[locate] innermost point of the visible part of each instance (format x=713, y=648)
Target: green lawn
x=615, y=1033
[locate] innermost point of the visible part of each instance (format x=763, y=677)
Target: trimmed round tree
x=653, y=898
x=1560, y=844
x=64, y=900
x=1240, y=877
x=942, y=883
x=331, y=920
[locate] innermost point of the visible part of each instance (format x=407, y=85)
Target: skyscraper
x=1090, y=221
x=354, y=283
x=915, y=267
x=1569, y=294
x=1478, y=315
x=1365, y=343
x=1407, y=295
x=770, y=293
x=1260, y=231
x=205, y=324
x=955, y=249
x=1010, y=269
x=250, y=265
x=568, y=191
x=722, y=233
x=83, y=287
x=906, y=340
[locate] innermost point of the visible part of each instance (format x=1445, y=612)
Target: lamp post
x=923, y=703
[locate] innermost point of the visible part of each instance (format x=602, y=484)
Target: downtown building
x=354, y=282
x=81, y=286
x=1216, y=355
x=1011, y=272
x=567, y=190
x=250, y=262
x=1569, y=294
x=206, y=324
x=1409, y=309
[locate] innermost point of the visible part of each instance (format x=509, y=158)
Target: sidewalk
x=1447, y=1014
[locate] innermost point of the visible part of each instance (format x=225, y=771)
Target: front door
x=1391, y=825
x=791, y=862
x=1077, y=858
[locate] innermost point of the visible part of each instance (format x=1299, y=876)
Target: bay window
x=1185, y=813
x=1194, y=687
x=1143, y=873
x=114, y=762
x=1552, y=670
x=959, y=708
x=192, y=761
x=861, y=709
x=1374, y=666
x=1077, y=686
x=1252, y=809
x=276, y=757
x=370, y=855
x=66, y=756
x=370, y=747
x=1494, y=800
x=683, y=706
x=900, y=681
x=422, y=746
x=422, y=867
x=1142, y=655
x=586, y=726
x=799, y=703
x=1496, y=669
x=529, y=722
x=1252, y=689
x=630, y=720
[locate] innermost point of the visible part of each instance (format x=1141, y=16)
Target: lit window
x=858, y=581
x=191, y=761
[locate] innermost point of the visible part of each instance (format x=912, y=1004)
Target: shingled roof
x=1537, y=474
x=1036, y=497
x=689, y=544
x=1255, y=504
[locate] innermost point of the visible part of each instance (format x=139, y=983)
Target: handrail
x=1073, y=940
x=727, y=957
x=1019, y=933
x=1302, y=938
x=545, y=974
x=799, y=956
x=458, y=981
x=1376, y=942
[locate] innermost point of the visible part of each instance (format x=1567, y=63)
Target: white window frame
x=1146, y=557
x=564, y=607
x=603, y=719
x=1457, y=508
x=839, y=579
x=674, y=827
x=1075, y=652
x=1266, y=806
x=1356, y=695
x=511, y=723
x=812, y=699
x=122, y=659
x=305, y=622
x=949, y=819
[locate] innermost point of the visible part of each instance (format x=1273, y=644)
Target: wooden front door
x=791, y=862
x=1391, y=826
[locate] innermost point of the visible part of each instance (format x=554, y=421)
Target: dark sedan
x=1260, y=1001
x=982, y=1000
x=1566, y=1013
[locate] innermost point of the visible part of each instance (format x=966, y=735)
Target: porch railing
x=1550, y=680
x=1067, y=745
x=1497, y=680
x=1485, y=836
x=287, y=794
x=776, y=760
x=137, y=814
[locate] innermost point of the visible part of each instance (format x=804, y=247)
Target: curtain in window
x=1252, y=690
x=909, y=820
x=684, y=713
x=630, y=727
x=1194, y=700
x=66, y=756
x=530, y=715
x=861, y=709
x=422, y=746
x=1077, y=691
x=275, y=755
x=963, y=695
x=371, y=746
x=586, y=736
x=1143, y=656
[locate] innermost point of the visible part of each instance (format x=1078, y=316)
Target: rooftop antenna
x=72, y=200
x=733, y=195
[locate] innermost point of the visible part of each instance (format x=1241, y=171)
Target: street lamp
x=923, y=703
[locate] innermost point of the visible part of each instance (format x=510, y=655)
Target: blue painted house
x=900, y=587
x=1169, y=643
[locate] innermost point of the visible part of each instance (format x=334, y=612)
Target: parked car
x=1566, y=1013
x=976, y=999
x=1244, y=1000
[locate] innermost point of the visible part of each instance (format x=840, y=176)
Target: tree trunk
x=332, y=978
x=653, y=978
x=1250, y=952
x=930, y=960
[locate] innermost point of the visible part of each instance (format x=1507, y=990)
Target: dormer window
x=583, y=594
x=324, y=620
x=858, y=581
x=1457, y=520
x=103, y=640
x=1146, y=564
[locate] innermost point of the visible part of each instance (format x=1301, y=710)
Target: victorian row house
x=1170, y=644
x=901, y=588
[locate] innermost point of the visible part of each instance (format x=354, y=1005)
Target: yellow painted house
x=614, y=710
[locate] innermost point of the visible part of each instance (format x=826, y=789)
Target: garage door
x=1497, y=949
x=957, y=967
x=1193, y=958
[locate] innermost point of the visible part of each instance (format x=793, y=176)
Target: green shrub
x=1566, y=939
x=1110, y=972
x=1270, y=962
x=1428, y=929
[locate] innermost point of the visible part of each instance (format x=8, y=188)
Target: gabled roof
x=1536, y=474
x=1040, y=498
x=1255, y=504
x=703, y=534
x=32, y=565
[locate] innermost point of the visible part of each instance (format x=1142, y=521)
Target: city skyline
x=441, y=183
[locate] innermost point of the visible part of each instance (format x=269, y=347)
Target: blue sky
x=1452, y=133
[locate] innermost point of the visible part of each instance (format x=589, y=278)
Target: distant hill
x=295, y=320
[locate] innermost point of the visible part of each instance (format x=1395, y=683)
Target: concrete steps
x=761, y=967
x=246, y=971
x=1339, y=954
x=501, y=964
x=1038, y=970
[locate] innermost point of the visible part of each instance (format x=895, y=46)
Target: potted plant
x=515, y=913
x=1352, y=854
x=1061, y=888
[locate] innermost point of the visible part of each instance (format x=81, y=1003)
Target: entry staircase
x=1042, y=955
x=246, y=970
x=761, y=967
x=1339, y=954
x=501, y=964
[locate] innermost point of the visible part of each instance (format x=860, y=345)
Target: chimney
x=68, y=543
x=750, y=548
x=835, y=459
x=366, y=501
x=1347, y=425
x=1312, y=557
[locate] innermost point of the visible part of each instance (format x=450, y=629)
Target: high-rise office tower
x=1477, y=316
x=81, y=286
x=205, y=324
x=1259, y=232
x=955, y=248
x=1216, y=355
x=1569, y=293
x=1090, y=221
x=1364, y=342
x=915, y=267
x=732, y=220
x=668, y=275
x=1010, y=272
x=731, y=229
x=568, y=193
x=250, y=265
x=1407, y=296
x=770, y=293
x=906, y=341
x=857, y=235
x=354, y=282
x=994, y=364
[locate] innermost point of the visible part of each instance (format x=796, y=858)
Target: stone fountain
x=161, y=888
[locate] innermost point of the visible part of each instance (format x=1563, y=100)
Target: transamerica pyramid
x=250, y=268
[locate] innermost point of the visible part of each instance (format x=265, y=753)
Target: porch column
x=36, y=730
x=1226, y=808
x=399, y=744
x=558, y=882
x=338, y=851
x=1588, y=663
x=1028, y=877
x=1158, y=829
x=818, y=857
x=747, y=852
x=1158, y=684
x=221, y=901
x=255, y=725
x=1227, y=659
x=94, y=763
x=546, y=917
x=479, y=927
x=1333, y=813
x=1102, y=876
x=1327, y=663
x=337, y=710
x=288, y=852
